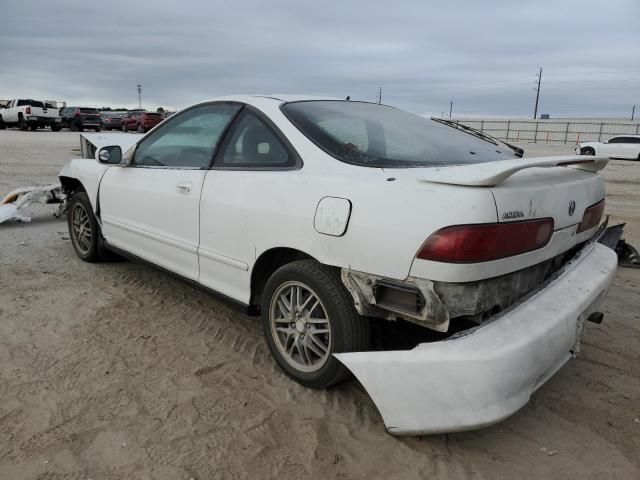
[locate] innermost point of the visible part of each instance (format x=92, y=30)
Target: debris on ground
x=14, y=202
x=549, y=451
x=628, y=256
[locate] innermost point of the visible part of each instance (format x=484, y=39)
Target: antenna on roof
x=348, y=98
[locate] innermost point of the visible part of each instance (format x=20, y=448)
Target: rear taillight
x=77, y=114
x=27, y=110
x=486, y=242
x=592, y=216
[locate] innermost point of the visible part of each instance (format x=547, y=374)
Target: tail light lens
x=486, y=242
x=28, y=110
x=591, y=217
x=77, y=114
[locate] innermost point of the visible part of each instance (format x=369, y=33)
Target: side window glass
x=254, y=145
x=615, y=140
x=187, y=140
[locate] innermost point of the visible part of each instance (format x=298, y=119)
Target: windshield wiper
x=477, y=133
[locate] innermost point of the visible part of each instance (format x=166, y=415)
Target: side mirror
x=110, y=155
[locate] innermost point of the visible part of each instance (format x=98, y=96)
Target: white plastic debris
x=549, y=451
x=20, y=198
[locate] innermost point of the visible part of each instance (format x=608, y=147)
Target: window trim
x=250, y=109
x=177, y=116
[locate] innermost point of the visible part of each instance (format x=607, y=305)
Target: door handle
x=184, y=188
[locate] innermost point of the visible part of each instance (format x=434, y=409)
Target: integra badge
x=513, y=214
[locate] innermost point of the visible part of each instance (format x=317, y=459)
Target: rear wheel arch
x=266, y=264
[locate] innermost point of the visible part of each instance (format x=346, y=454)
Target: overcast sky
x=483, y=55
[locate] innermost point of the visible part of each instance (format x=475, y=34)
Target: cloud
x=482, y=55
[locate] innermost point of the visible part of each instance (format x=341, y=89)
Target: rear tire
x=84, y=229
x=318, y=320
x=2, y=124
x=124, y=128
x=55, y=128
x=98, y=129
x=22, y=124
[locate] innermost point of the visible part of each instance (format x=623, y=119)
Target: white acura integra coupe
x=326, y=216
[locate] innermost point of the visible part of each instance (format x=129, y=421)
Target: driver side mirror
x=111, y=155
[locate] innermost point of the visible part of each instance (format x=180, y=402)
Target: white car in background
x=623, y=146
x=330, y=218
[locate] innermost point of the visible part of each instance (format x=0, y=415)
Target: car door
x=150, y=207
x=251, y=178
x=627, y=148
x=613, y=148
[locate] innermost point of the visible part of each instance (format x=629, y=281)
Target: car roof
x=276, y=98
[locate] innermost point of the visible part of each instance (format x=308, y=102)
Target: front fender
x=89, y=173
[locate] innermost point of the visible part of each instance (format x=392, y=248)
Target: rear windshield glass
x=31, y=103
x=154, y=115
x=375, y=135
x=93, y=111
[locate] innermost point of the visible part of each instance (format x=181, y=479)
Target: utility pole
x=535, y=111
x=140, y=96
x=379, y=95
x=633, y=112
x=450, y=107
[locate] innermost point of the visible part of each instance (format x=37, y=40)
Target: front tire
x=55, y=128
x=307, y=316
x=84, y=229
x=587, y=151
x=124, y=128
x=140, y=129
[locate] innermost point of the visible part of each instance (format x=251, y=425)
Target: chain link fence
x=553, y=131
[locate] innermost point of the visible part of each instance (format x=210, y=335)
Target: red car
x=141, y=121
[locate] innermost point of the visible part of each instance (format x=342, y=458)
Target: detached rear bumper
x=480, y=378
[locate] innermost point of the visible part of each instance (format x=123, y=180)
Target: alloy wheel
x=81, y=228
x=300, y=326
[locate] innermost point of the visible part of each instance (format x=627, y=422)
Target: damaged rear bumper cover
x=486, y=374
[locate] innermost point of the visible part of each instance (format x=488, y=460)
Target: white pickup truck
x=27, y=113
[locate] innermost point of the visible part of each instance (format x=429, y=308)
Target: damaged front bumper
x=484, y=375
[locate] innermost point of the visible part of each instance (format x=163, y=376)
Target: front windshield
x=376, y=135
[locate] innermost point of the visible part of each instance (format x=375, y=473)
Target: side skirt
x=237, y=305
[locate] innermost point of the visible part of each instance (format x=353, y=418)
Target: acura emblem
x=572, y=207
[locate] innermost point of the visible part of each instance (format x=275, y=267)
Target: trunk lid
x=559, y=193
x=557, y=187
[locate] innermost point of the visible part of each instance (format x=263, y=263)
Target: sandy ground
x=116, y=371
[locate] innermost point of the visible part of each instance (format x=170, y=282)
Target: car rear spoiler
x=494, y=173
